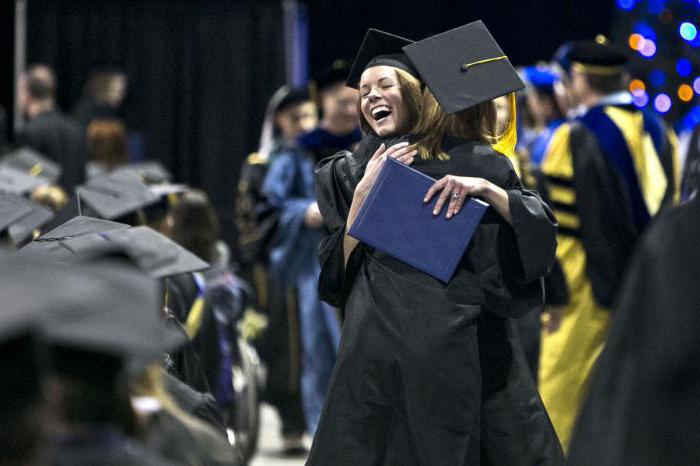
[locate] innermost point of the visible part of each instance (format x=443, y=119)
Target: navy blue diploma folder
x=395, y=220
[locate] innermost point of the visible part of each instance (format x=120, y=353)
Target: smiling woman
x=386, y=96
x=427, y=372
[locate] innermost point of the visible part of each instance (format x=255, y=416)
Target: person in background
x=257, y=221
x=607, y=173
x=542, y=105
x=108, y=146
x=339, y=128
x=289, y=187
x=48, y=130
x=102, y=97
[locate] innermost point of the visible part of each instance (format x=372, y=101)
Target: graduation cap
x=541, y=77
x=20, y=216
x=11, y=209
x=380, y=48
x=31, y=162
x=18, y=182
x=115, y=195
x=337, y=73
x=597, y=57
x=294, y=96
x=150, y=172
x=106, y=306
x=84, y=239
x=464, y=67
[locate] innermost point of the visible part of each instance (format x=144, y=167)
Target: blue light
x=684, y=67
x=688, y=31
x=657, y=78
x=644, y=29
x=626, y=4
x=656, y=6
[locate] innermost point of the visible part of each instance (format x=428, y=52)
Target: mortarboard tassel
x=507, y=140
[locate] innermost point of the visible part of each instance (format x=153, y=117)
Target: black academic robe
x=427, y=373
x=644, y=403
x=105, y=445
x=60, y=139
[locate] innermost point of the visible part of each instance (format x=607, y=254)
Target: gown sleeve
x=527, y=248
x=281, y=190
x=334, y=191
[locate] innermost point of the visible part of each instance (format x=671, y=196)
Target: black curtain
x=200, y=74
x=528, y=30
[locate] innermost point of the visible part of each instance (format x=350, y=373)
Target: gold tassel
x=507, y=140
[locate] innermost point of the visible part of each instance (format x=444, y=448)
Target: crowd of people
x=566, y=333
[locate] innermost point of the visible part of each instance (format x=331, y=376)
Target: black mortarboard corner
x=20, y=216
x=597, y=57
x=31, y=162
x=18, y=182
x=337, y=73
x=380, y=48
x=115, y=195
x=464, y=67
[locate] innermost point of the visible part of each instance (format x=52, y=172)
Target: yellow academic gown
x=568, y=354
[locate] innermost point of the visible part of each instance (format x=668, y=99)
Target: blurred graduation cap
x=31, y=162
x=380, y=48
x=150, y=172
x=542, y=77
x=116, y=194
x=337, y=73
x=18, y=182
x=21, y=217
x=597, y=57
x=464, y=67
x=107, y=306
x=85, y=238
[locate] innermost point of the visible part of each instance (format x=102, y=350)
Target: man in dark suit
x=48, y=130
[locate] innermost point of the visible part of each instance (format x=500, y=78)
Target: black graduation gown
x=425, y=372
x=644, y=403
x=104, y=445
x=60, y=139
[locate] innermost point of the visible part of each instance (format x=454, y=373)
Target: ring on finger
x=455, y=194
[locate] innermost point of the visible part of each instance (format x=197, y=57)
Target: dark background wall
x=200, y=72
x=527, y=30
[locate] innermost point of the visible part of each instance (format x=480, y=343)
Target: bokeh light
x=684, y=67
x=685, y=92
x=640, y=98
x=696, y=85
x=626, y=4
x=637, y=85
x=662, y=103
x=635, y=41
x=648, y=48
x=688, y=31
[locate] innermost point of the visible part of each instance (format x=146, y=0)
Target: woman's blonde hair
x=431, y=124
